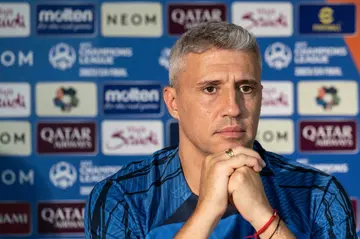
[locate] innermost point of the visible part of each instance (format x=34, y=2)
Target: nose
x=231, y=103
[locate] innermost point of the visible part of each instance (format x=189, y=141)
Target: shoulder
x=135, y=176
x=290, y=172
x=120, y=195
x=303, y=182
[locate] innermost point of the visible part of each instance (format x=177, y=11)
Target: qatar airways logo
x=138, y=137
x=57, y=138
x=61, y=217
x=264, y=19
x=277, y=98
x=334, y=136
x=182, y=17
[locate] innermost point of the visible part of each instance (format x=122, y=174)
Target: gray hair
x=221, y=35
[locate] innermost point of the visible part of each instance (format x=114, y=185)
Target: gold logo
x=326, y=15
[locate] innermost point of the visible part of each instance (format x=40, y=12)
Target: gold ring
x=230, y=152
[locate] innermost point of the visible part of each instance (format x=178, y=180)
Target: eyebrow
x=218, y=82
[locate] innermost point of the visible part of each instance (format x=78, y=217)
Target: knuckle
x=240, y=176
x=219, y=166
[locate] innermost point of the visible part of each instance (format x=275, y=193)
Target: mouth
x=232, y=132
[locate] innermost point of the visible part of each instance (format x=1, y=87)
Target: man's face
x=218, y=99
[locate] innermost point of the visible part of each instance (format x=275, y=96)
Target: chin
x=232, y=144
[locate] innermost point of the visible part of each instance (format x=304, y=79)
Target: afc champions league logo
x=63, y=175
x=278, y=55
x=62, y=56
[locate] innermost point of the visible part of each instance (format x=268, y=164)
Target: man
x=210, y=186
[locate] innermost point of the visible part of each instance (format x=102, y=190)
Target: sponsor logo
x=131, y=19
x=164, y=58
x=277, y=98
x=62, y=56
x=94, y=61
x=329, y=168
x=327, y=19
x=18, y=59
x=90, y=55
x=66, y=99
x=132, y=98
x=57, y=138
x=132, y=137
x=264, y=19
x=276, y=135
x=63, y=175
x=14, y=99
x=61, y=217
x=15, y=218
x=172, y=133
x=328, y=98
x=182, y=17
x=14, y=19
x=278, y=56
x=59, y=19
x=63, y=94
x=90, y=174
x=15, y=138
x=305, y=54
x=11, y=177
x=328, y=136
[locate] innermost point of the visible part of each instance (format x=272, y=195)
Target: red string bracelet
x=256, y=235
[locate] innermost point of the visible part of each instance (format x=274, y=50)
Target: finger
x=250, y=152
x=226, y=157
x=239, y=161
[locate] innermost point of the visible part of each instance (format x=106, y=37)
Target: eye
x=246, y=88
x=210, y=89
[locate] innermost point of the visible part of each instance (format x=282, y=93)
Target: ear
x=169, y=94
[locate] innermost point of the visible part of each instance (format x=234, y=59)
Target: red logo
x=132, y=135
x=9, y=99
x=328, y=136
x=265, y=17
x=182, y=17
x=274, y=97
x=61, y=217
x=15, y=218
x=10, y=19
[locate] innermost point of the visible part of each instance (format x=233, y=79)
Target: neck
x=191, y=160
